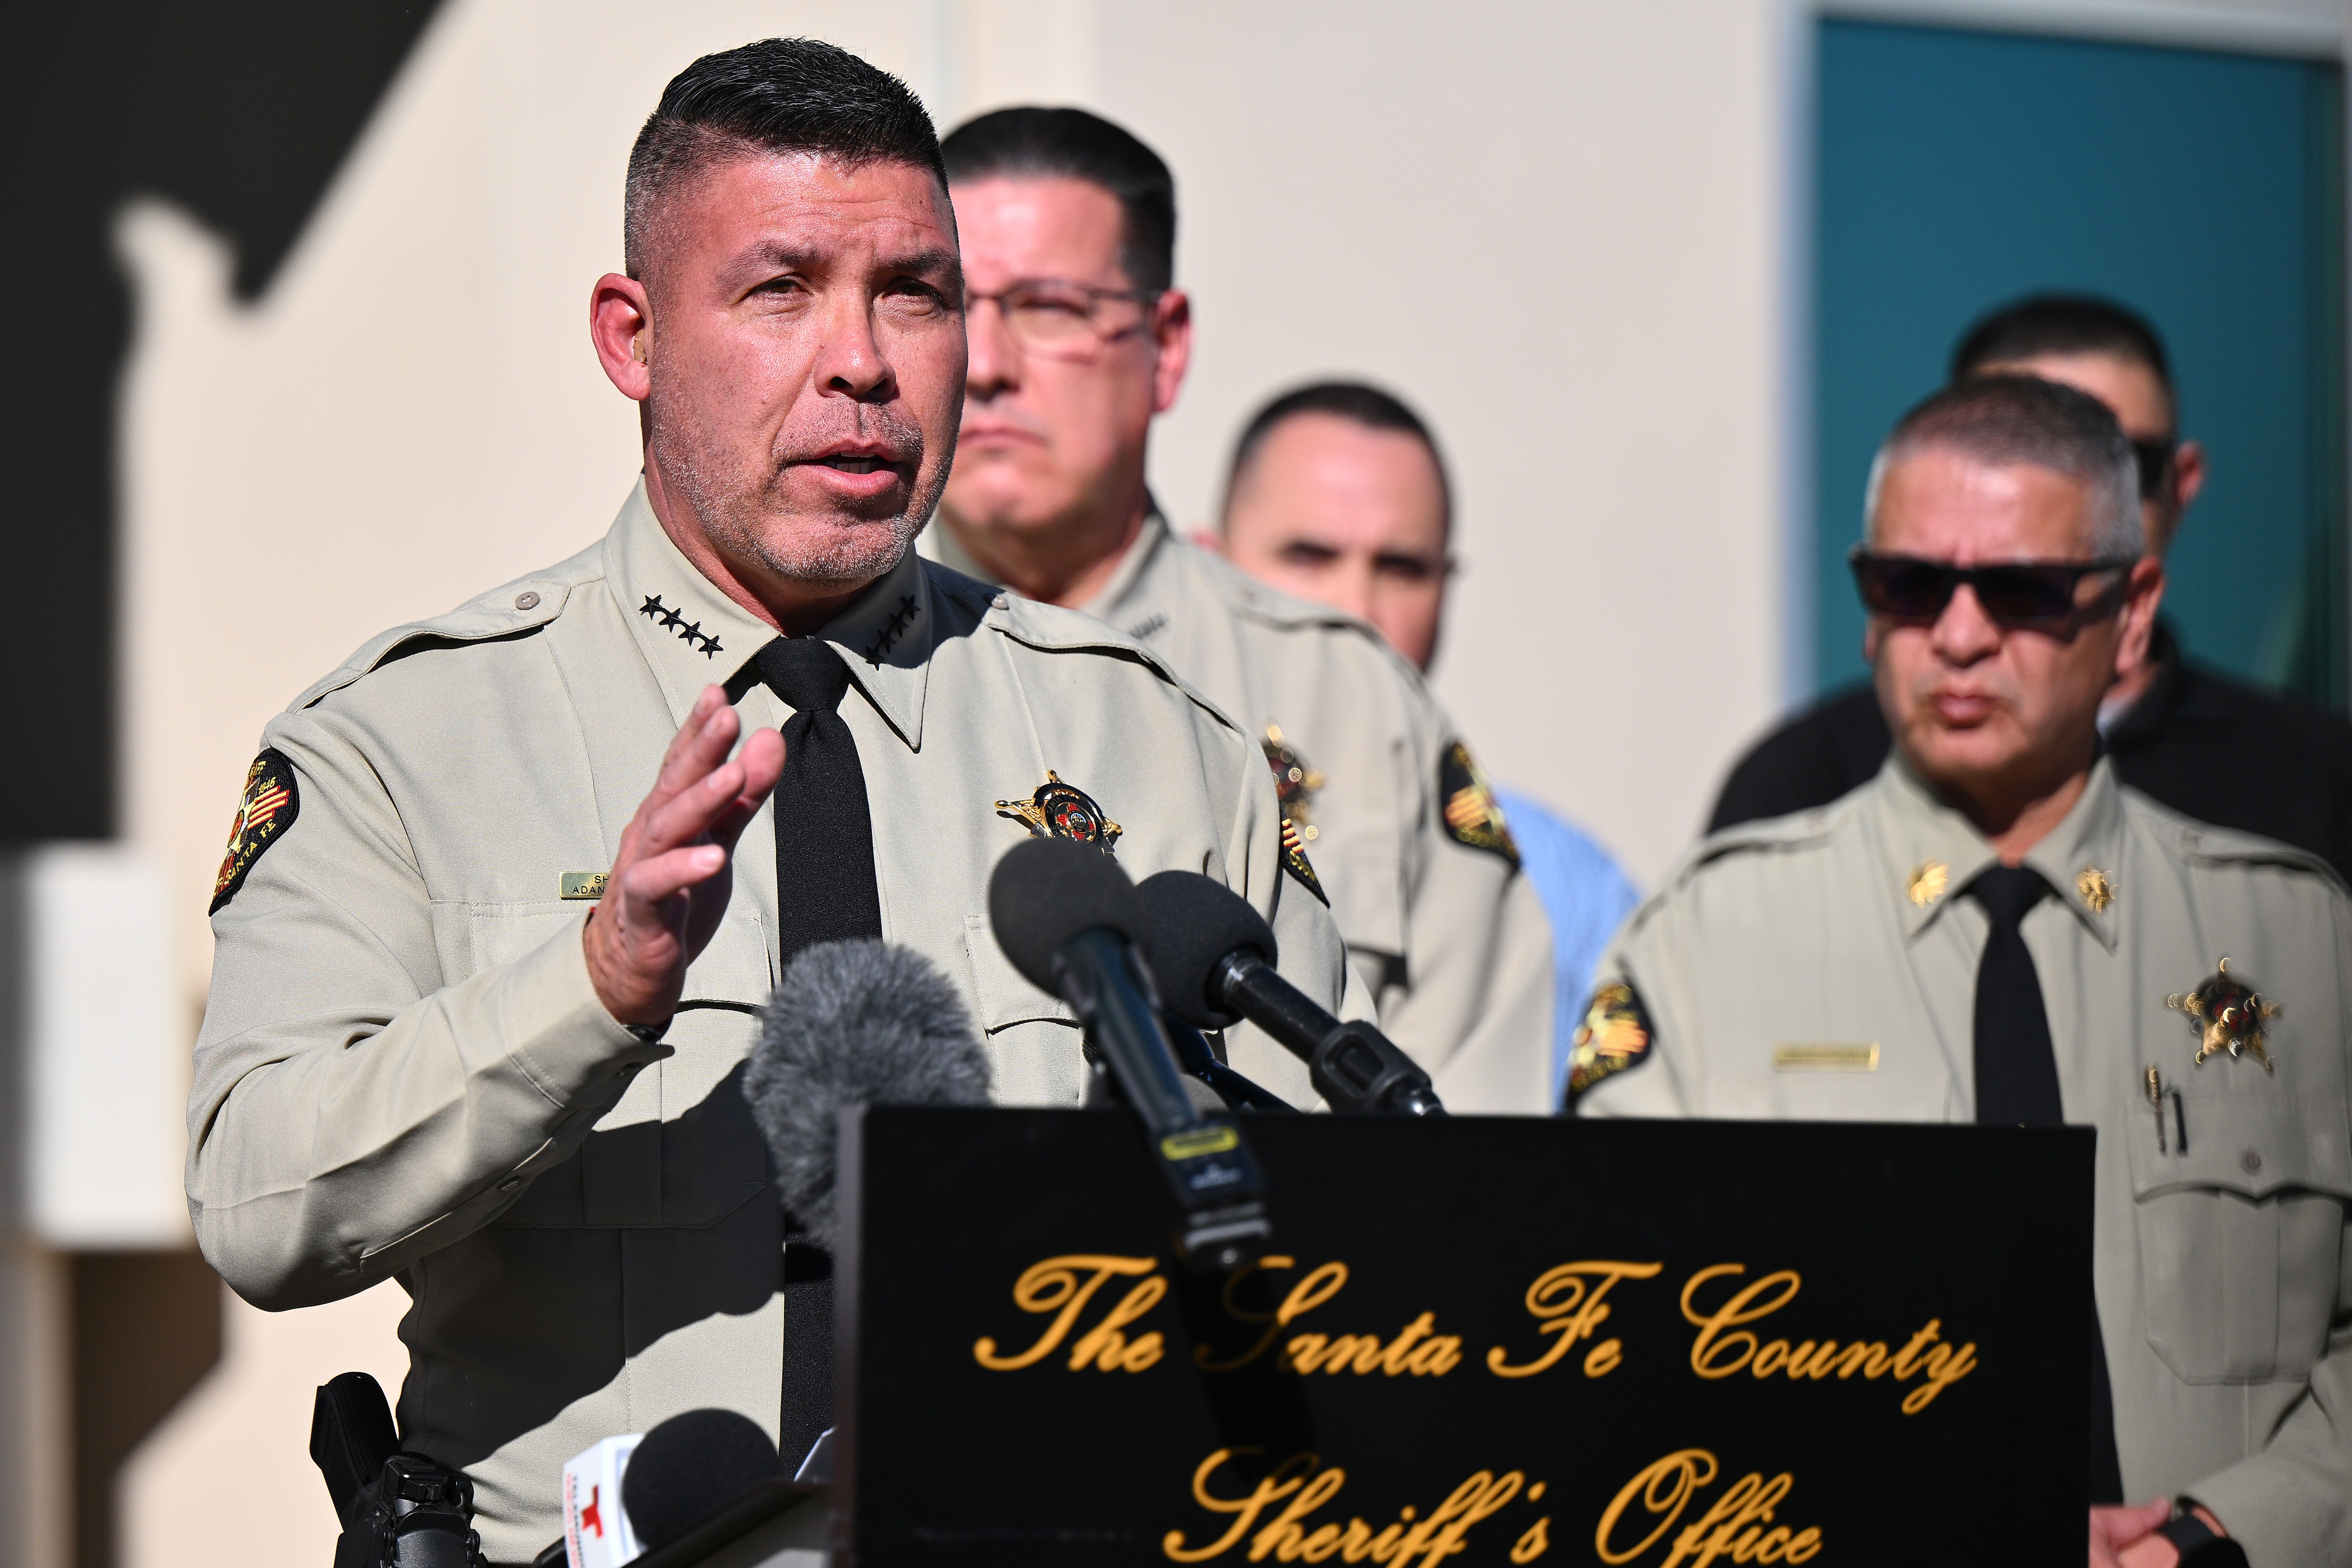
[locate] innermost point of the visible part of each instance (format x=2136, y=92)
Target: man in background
x=1078, y=339
x=2168, y=723
x=1987, y=931
x=1337, y=493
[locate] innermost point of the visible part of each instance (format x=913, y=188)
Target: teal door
x=1960, y=170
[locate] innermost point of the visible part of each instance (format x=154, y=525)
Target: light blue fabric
x=1587, y=899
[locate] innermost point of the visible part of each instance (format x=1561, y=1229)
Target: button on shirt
x=2223, y=1270
x=404, y=1070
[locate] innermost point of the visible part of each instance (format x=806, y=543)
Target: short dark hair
x=1076, y=146
x=2010, y=419
x=1365, y=405
x=2061, y=324
x=778, y=95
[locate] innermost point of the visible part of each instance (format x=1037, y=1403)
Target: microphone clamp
x=1353, y=1065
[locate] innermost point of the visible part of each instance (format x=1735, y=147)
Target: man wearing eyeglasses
x=1078, y=340
x=2166, y=717
x=1988, y=931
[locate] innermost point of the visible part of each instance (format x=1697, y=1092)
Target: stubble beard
x=743, y=512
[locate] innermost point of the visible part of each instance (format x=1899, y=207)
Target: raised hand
x=670, y=883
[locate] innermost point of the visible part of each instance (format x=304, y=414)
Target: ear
x=2188, y=476
x=2143, y=592
x=621, y=325
x=1869, y=636
x=1171, y=334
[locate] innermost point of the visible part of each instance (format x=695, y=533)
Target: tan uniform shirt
x=2222, y=1272
x=1405, y=836
x=405, y=1070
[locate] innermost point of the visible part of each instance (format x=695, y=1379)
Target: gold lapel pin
x=2096, y=891
x=1928, y=881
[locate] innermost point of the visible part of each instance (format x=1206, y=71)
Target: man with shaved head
x=508, y=890
x=1994, y=929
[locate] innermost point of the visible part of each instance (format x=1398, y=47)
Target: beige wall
x=1561, y=229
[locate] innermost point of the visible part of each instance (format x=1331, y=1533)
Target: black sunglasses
x=2155, y=458
x=2016, y=594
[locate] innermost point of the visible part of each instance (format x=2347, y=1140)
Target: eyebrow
x=765, y=258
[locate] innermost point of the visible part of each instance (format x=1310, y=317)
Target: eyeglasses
x=2016, y=594
x=2155, y=463
x=1060, y=319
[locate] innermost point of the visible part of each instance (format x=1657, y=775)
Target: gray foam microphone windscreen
x=854, y=1022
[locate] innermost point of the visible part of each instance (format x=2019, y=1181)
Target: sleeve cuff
x=561, y=1039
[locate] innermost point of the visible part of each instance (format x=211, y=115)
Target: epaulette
x=1242, y=594
x=1773, y=834
x=2195, y=842
x=1052, y=629
x=522, y=606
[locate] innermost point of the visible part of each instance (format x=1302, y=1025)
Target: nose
x=851, y=362
x=1964, y=633
x=992, y=360
x=1351, y=586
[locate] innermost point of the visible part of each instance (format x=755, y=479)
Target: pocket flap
x=1000, y=996
x=2256, y=1144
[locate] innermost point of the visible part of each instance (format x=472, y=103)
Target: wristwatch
x=2198, y=1545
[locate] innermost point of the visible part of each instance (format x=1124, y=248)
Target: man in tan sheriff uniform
x=1994, y=929
x=1077, y=342
x=432, y=1051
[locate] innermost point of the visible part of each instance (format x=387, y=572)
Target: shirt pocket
x=1034, y=1053
x=682, y=1150
x=2241, y=1234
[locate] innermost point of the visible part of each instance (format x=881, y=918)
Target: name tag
x=1816, y=1056
x=583, y=885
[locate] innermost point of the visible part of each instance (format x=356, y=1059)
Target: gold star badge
x=1296, y=781
x=1058, y=810
x=2096, y=891
x=2228, y=1015
x=1928, y=881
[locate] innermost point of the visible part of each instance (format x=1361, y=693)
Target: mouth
x=844, y=463
x=1963, y=710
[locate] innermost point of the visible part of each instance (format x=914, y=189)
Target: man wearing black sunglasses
x=2166, y=717
x=1990, y=930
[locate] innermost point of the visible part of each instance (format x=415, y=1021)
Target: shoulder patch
x=1614, y=1035
x=1294, y=860
x=267, y=808
x=1473, y=815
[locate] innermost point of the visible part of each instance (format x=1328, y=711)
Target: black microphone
x=701, y=1481
x=1070, y=921
x=1214, y=956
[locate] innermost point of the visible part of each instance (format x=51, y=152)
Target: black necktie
x=2016, y=1084
x=825, y=891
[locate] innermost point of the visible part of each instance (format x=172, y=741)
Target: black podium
x=1496, y=1339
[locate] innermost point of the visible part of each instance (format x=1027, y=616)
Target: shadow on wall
x=242, y=115
x=146, y=1330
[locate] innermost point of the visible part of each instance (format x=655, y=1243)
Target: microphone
x=699, y=1481
x=854, y=1023
x=1070, y=921
x=1215, y=955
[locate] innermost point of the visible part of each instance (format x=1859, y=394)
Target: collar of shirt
x=1127, y=588
x=1916, y=831
x=692, y=635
